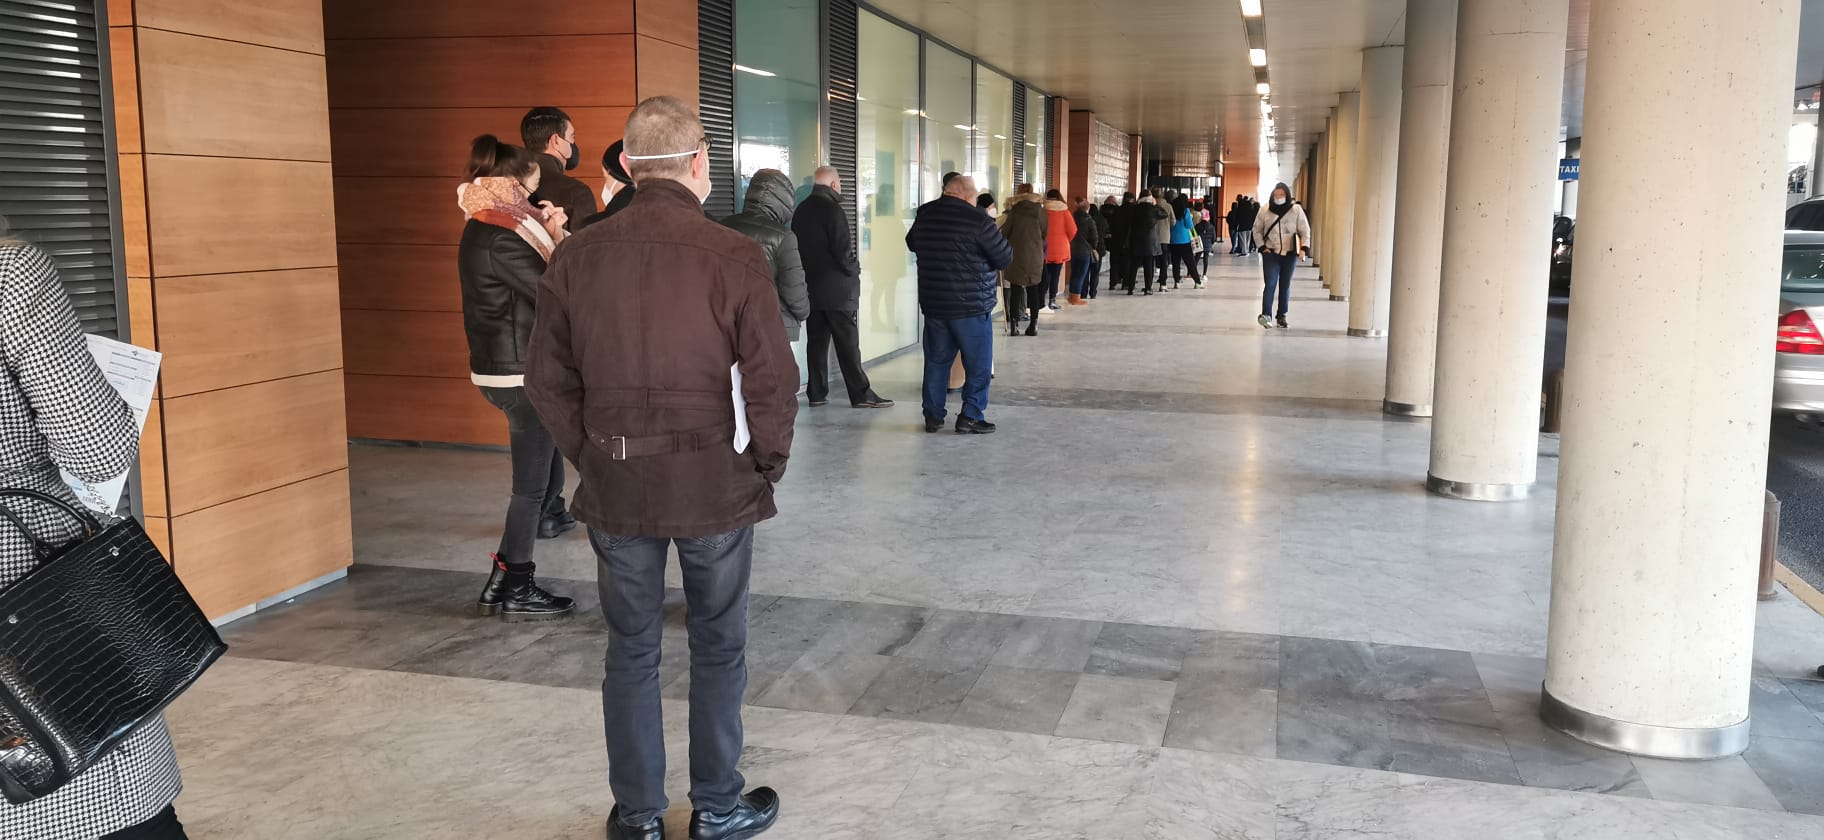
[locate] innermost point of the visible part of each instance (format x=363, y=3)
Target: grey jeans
x=631, y=574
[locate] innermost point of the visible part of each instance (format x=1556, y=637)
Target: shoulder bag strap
x=42, y=549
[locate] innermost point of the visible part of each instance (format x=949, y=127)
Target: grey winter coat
x=766, y=218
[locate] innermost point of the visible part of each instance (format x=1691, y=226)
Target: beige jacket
x=1288, y=235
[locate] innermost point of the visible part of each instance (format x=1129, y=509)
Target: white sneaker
x=1266, y=322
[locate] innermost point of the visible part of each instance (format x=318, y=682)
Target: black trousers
x=538, y=473
x=826, y=326
x=1186, y=256
x=1135, y=264
x=1029, y=299
x=162, y=827
x=630, y=573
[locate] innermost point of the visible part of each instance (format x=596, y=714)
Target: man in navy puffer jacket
x=959, y=252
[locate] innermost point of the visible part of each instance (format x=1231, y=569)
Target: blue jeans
x=1079, y=275
x=1278, y=268
x=1052, y=272
x=974, y=338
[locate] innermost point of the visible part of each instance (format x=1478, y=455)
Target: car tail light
x=1798, y=334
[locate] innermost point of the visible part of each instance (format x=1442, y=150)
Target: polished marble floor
x=1192, y=589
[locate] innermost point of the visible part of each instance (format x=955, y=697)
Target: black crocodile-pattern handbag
x=97, y=639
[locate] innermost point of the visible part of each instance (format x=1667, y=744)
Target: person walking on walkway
x=1024, y=226
x=1082, y=253
x=647, y=414
x=1206, y=232
x=1184, y=235
x=959, y=253
x=58, y=413
x=1060, y=229
x=503, y=251
x=763, y=218
x=833, y=271
x=1282, y=232
x=1238, y=230
x=551, y=137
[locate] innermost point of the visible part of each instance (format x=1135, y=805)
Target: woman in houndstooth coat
x=56, y=410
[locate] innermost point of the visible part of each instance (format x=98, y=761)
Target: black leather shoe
x=520, y=598
x=552, y=527
x=617, y=830
x=819, y=403
x=933, y=425
x=756, y=813
x=966, y=426
x=874, y=401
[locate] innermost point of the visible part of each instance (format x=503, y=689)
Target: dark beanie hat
x=611, y=161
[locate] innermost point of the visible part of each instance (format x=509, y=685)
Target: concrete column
x=1418, y=236
x=1812, y=179
x=1348, y=118
x=1377, y=165
x=1326, y=212
x=1502, y=186
x=1667, y=409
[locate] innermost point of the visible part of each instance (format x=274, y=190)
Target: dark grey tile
x=1809, y=692
x=1512, y=682
x=923, y=690
x=1139, y=651
x=1778, y=713
x=1216, y=717
x=1234, y=661
x=478, y=652
x=1017, y=700
x=1729, y=782
x=1048, y=644
x=1119, y=709
x=1383, y=707
x=965, y=638
x=880, y=629
x=571, y=658
x=327, y=633
x=780, y=634
x=830, y=683
x=1547, y=758
x=1793, y=771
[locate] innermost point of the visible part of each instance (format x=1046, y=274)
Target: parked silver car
x=1798, y=382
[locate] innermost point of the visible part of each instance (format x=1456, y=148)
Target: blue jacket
x=1183, y=229
x=959, y=250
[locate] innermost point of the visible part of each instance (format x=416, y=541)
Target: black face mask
x=576, y=157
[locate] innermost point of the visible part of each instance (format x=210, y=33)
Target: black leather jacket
x=766, y=218
x=499, y=272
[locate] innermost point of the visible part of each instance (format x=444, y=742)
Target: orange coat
x=1061, y=227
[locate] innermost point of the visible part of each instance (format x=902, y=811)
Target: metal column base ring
x=1400, y=409
x=1641, y=738
x=1474, y=492
x=1367, y=333
x=1339, y=297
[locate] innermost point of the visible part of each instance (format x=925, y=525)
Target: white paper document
x=742, y=436
x=133, y=371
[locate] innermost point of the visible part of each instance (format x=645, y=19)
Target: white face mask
x=608, y=191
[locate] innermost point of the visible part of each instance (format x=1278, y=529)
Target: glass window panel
x=993, y=127
x=1038, y=142
x=778, y=84
x=949, y=115
x=887, y=183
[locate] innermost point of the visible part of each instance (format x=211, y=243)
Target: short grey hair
x=826, y=175
x=662, y=125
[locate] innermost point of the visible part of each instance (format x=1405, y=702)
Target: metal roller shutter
x=57, y=184
x=1019, y=132
x=843, y=29
x=716, y=100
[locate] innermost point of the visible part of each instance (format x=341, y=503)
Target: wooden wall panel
x=120, y=12
x=388, y=211
x=459, y=18
x=666, y=69
x=135, y=237
x=419, y=278
x=668, y=20
x=223, y=330
x=123, y=63
x=203, y=96
x=220, y=215
x=159, y=529
x=228, y=444
x=434, y=142
x=286, y=24
x=142, y=322
x=405, y=343
x=152, y=463
x=236, y=554
x=422, y=408
x=579, y=71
